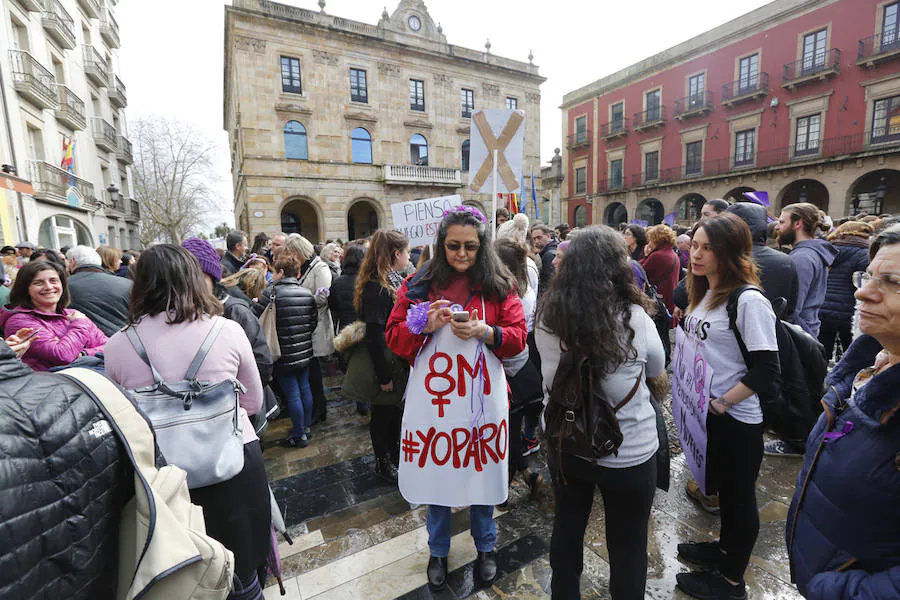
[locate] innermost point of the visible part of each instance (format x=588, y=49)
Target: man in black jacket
x=235, y=249
x=102, y=296
x=543, y=240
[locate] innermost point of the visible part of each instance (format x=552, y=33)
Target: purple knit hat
x=206, y=255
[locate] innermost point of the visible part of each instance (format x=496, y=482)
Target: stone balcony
x=109, y=29
x=116, y=92
x=95, y=67
x=58, y=23
x=71, y=108
x=52, y=184
x=133, y=214
x=32, y=80
x=104, y=135
x=421, y=175
x=90, y=7
x=123, y=151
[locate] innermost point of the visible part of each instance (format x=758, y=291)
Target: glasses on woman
x=889, y=284
x=455, y=246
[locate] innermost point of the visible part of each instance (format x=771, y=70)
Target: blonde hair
x=250, y=281
x=109, y=257
x=852, y=229
x=299, y=246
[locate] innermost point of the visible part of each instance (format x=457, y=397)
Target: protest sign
x=503, y=131
x=419, y=219
x=691, y=379
x=455, y=433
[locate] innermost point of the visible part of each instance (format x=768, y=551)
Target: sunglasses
x=455, y=246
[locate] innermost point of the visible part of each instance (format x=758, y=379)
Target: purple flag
x=669, y=219
x=640, y=222
x=761, y=198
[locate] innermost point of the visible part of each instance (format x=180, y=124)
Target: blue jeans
x=295, y=386
x=437, y=522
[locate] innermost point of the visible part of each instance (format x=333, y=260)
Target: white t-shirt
x=709, y=328
x=533, y=275
x=637, y=419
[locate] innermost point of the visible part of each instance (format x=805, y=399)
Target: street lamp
x=113, y=192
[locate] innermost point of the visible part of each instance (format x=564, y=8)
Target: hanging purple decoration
x=417, y=317
x=761, y=198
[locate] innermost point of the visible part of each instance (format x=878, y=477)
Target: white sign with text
x=419, y=219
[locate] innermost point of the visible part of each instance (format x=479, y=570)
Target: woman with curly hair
x=594, y=309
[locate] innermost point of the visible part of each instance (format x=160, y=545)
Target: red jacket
x=506, y=314
x=663, y=267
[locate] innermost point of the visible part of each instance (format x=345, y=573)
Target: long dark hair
x=19, y=295
x=730, y=239
x=588, y=304
x=168, y=279
x=513, y=254
x=488, y=272
x=378, y=261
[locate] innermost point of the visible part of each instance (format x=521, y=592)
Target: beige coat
x=318, y=277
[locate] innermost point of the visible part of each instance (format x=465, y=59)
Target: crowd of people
x=582, y=321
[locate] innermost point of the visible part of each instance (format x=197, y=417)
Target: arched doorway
x=688, y=207
x=805, y=190
x=737, y=194
x=614, y=214
x=875, y=193
x=60, y=231
x=300, y=216
x=650, y=210
x=362, y=219
x=581, y=216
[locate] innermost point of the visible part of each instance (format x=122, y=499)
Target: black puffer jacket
x=340, y=301
x=64, y=480
x=853, y=255
x=296, y=316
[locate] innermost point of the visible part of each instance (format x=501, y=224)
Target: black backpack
x=793, y=412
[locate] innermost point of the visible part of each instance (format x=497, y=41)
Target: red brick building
x=798, y=98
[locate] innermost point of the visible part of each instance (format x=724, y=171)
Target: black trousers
x=517, y=462
x=627, y=498
x=384, y=427
x=829, y=334
x=735, y=452
x=317, y=384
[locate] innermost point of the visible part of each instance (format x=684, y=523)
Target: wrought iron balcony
x=104, y=134
x=812, y=68
x=90, y=7
x=95, y=67
x=605, y=186
x=52, y=184
x=109, y=29
x=654, y=117
x=123, y=151
x=71, y=108
x=694, y=105
x=114, y=204
x=58, y=23
x=579, y=139
x=32, y=80
x=614, y=129
x=878, y=48
x=116, y=92
x=421, y=175
x=134, y=210
x=745, y=89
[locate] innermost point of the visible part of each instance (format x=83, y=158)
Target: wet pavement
x=356, y=537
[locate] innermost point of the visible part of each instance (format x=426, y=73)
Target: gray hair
x=299, y=246
x=888, y=237
x=683, y=238
x=325, y=254
x=84, y=256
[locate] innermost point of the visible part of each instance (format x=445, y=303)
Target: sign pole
x=493, y=218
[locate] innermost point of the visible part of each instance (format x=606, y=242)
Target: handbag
x=197, y=423
x=270, y=327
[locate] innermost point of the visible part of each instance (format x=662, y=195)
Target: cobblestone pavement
x=356, y=537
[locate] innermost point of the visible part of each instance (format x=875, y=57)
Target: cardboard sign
x=691, y=379
x=455, y=434
x=501, y=130
x=419, y=219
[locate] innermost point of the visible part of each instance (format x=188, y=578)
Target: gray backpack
x=197, y=423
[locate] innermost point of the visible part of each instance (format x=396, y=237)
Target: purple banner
x=761, y=198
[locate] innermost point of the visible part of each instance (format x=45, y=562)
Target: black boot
x=385, y=469
x=437, y=573
x=486, y=567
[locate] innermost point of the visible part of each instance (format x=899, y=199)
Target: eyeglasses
x=455, y=246
x=889, y=284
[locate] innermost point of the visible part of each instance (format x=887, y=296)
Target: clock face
x=414, y=23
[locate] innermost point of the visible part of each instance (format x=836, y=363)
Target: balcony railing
x=654, y=117
x=116, y=205
x=605, y=186
x=31, y=5
x=812, y=68
x=32, y=80
x=116, y=92
x=693, y=105
x=614, y=129
x=421, y=175
x=104, y=134
x=123, y=151
x=134, y=210
x=878, y=48
x=52, y=184
x=579, y=139
x=745, y=89
x=95, y=66
x=71, y=108
x=90, y=7
x=58, y=23
x=109, y=29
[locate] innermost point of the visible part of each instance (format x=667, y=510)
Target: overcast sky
x=172, y=50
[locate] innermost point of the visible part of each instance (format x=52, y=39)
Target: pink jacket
x=59, y=341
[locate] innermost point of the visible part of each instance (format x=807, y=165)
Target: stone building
x=332, y=120
x=59, y=72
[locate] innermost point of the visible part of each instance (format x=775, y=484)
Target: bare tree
x=172, y=178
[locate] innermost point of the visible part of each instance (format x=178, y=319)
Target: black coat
x=230, y=264
x=837, y=310
x=340, y=301
x=102, y=296
x=296, y=316
x=64, y=480
x=547, y=254
x=240, y=312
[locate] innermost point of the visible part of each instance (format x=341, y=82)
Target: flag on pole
x=669, y=219
x=537, y=210
x=523, y=203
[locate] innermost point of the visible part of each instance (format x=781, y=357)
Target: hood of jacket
x=822, y=248
x=756, y=218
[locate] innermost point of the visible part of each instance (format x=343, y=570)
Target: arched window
x=580, y=216
x=362, y=146
x=295, y=141
x=418, y=150
x=465, y=155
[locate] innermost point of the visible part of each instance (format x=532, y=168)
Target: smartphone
x=30, y=335
x=461, y=315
